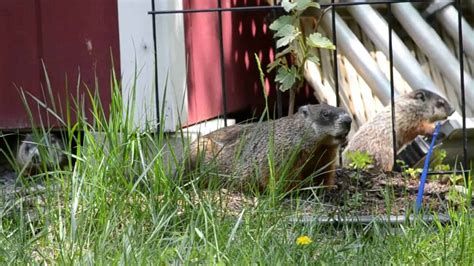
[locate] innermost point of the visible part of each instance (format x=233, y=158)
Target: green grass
x=122, y=203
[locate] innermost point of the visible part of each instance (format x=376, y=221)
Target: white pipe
x=434, y=48
x=376, y=28
x=359, y=57
x=448, y=17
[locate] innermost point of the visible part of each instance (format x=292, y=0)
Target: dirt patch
x=357, y=193
x=363, y=193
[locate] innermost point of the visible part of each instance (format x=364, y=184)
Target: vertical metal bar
x=279, y=103
x=221, y=51
x=334, y=40
x=463, y=96
x=279, y=94
x=40, y=48
x=157, y=96
x=392, y=86
x=336, y=68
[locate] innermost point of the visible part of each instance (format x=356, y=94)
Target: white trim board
x=137, y=58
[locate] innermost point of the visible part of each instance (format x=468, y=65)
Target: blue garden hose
x=421, y=188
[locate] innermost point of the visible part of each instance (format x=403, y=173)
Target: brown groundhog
x=300, y=144
x=32, y=152
x=415, y=114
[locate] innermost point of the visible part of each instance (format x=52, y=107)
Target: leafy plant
x=436, y=164
x=438, y=158
x=413, y=172
x=359, y=160
x=295, y=47
x=456, y=179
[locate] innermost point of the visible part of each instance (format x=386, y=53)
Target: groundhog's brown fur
x=308, y=141
x=415, y=114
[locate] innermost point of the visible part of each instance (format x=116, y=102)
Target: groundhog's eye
x=439, y=103
x=420, y=96
x=27, y=148
x=325, y=113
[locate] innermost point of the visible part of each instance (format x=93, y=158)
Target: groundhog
x=32, y=152
x=297, y=146
x=415, y=114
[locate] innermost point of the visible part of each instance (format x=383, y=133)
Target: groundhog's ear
x=304, y=110
x=420, y=95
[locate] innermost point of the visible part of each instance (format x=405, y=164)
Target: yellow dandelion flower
x=303, y=240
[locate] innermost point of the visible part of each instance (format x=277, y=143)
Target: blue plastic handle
x=421, y=188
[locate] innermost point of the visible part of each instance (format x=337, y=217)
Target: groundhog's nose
x=36, y=158
x=451, y=111
x=346, y=121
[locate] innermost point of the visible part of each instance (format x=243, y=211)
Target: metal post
x=334, y=40
x=336, y=69
x=221, y=51
x=279, y=99
x=260, y=8
x=279, y=103
x=157, y=96
x=463, y=93
x=392, y=86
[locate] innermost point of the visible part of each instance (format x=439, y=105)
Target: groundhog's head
x=431, y=105
x=329, y=122
x=32, y=151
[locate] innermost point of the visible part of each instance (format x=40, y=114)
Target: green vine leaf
x=281, y=22
x=286, y=77
x=287, y=5
x=302, y=5
x=286, y=35
x=317, y=40
x=294, y=47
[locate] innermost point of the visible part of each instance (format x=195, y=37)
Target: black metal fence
x=334, y=6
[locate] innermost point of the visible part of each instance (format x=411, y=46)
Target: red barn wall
x=81, y=36
x=70, y=37
x=19, y=54
x=244, y=34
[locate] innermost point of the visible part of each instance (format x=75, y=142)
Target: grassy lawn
x=98, y=215
x=122, y=203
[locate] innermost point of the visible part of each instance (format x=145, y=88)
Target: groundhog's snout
x=36, y=159
x=35, y=156
x=444, y=110
x=344, y=125
x=346, y=121
x=450, y=111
